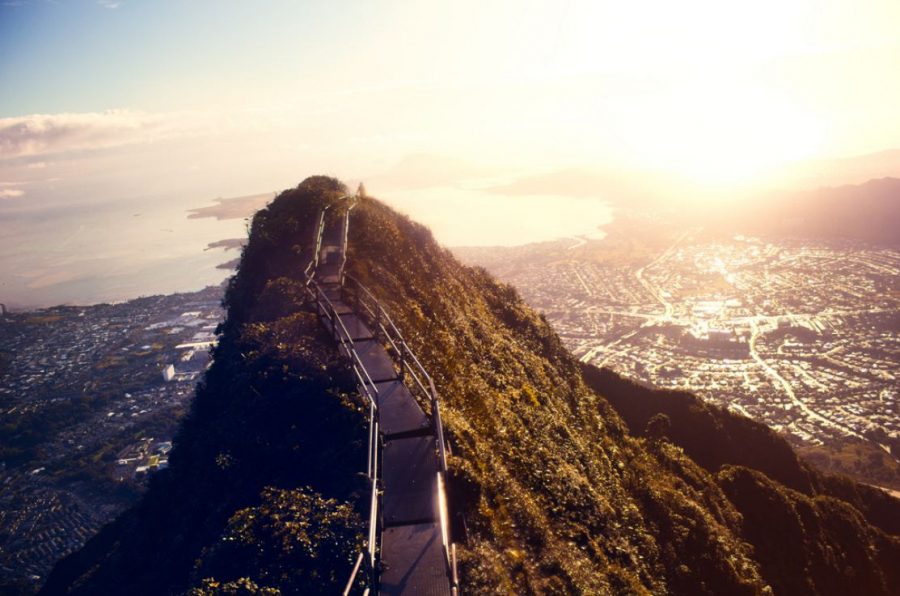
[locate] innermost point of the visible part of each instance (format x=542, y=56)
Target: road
x=583, y=284
x=655, y=292
x=789, y=391
x=607, y=348
x=649, y=319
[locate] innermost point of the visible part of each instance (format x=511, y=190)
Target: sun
x=723, y=133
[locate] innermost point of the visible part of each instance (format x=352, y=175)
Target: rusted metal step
x=332, y=237
x=329, y=273
x=341, y=307
x=332, y=291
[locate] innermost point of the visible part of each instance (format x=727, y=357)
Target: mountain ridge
x=550, y=490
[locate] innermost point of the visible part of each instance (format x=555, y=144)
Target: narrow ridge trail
x=409, y=549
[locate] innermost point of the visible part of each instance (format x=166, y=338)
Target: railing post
x=453, y=574
x=372, y=438
x=377, y=316
x=439, y=428
x=333, y=317
x=403, y=361
x=349, y=587
x=373, y=523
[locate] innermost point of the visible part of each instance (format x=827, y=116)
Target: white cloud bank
x=47, y=134
x=11, y=193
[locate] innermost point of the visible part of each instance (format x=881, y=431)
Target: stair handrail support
x=310, y=270
x=384, y=326
x=326, y=309
x=367, y=303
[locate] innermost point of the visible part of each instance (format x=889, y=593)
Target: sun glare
x=723, y=134
x=706, y=107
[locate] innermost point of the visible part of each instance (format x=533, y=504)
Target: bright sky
x=706, y=88
x=106, y=100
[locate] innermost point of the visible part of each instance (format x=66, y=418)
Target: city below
x=800, y=335
x=90, y=400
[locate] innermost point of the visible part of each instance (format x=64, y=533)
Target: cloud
x=110, y=4
x=35, y=137
x=47, y=134
x=11, y=193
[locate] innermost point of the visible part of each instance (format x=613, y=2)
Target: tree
x=658, y=427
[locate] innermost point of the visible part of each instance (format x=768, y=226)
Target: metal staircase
x=409, y=549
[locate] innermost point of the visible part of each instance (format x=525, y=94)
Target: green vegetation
x=804, y=545
x=714, y=438
x=272, y=434
x=560, y=499
x=294, y=539
x=856, y=459
x=23, y=434
x=550, y=492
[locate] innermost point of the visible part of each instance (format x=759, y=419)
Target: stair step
x=398, y=411
x=354, y=326
x=413, y=561
x=341, y=307
x=375, y=359
x=332, y=291
x=409, y=468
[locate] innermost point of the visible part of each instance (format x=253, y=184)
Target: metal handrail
x=439, y=427
x=381, y=312
x=345, y=237
x=409, y=363
x=383, y=322
x=310, y=270
x=349, y=585
x=339, y=330
x=397, y=342
x=344, y=338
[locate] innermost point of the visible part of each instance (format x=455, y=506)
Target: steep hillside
x=552, y=494
x=714, y=438
x=263, y=479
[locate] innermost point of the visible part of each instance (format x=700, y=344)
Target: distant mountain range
x=868, y=212
x=841, y=171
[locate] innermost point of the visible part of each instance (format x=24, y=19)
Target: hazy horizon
x=114, y=103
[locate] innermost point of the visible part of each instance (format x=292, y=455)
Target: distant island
x=232, y=208
x=227, y=244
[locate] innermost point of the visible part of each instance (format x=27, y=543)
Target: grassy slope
x=555, y=495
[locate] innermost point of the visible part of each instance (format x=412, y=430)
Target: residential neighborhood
x=90, y=399
x=802, y=336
